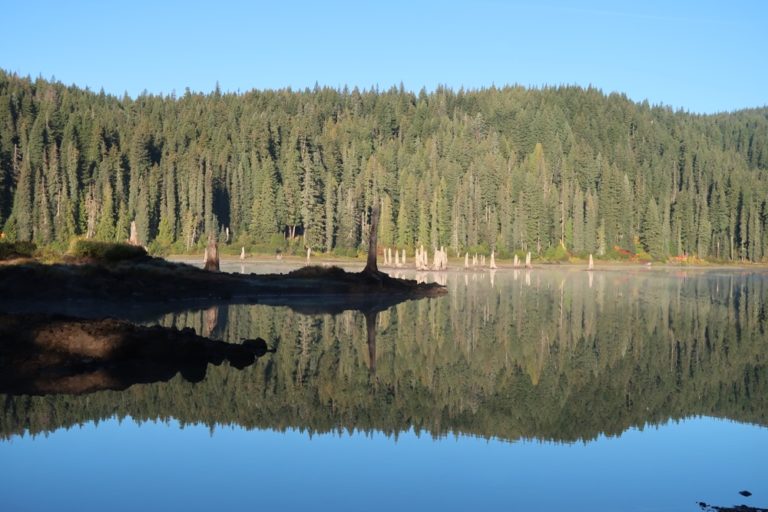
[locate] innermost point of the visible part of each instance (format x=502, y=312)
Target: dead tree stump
x=134, y=239
x=371, y=267
x=212, y=256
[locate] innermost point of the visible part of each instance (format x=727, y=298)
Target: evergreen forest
x=556, y=170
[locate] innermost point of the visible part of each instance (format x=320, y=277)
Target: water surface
x=543, y=390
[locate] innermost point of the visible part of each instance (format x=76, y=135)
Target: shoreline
x=457, y=264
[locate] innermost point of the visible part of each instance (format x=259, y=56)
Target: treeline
x=508, y=169
x=561, y=356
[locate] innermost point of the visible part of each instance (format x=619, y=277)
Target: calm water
x=543, y=390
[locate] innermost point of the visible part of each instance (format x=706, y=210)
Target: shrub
x=10, y=250
x=105, y=251
x=556, y=253
x=347, y=252
x=318, y=271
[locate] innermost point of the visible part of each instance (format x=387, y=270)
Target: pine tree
x=650, y=231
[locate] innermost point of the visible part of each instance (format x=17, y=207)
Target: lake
x=551, y=389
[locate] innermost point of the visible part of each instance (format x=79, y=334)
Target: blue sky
x=701, y=56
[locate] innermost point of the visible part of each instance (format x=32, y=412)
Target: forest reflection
x=556, y=355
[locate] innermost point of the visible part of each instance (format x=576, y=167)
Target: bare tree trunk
x=134, y=239
x=212, y=255
x=371, y=267
x=493, y=261
x=242, y=253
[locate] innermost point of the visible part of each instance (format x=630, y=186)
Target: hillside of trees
x=509, y=169
x=564, y=356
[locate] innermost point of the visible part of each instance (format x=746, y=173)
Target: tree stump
x=371, y=267
x=212, y=256
x=134, y=239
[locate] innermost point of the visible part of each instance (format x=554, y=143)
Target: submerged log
x=212, y=256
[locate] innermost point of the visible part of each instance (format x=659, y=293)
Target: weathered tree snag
x=528, y=260
x=309, y=254
x=403, y=258
x=493, y=261
x=134, y=239
x=242, y=253
x=371, y=267
x=212, y=256
x=591, y=265
x=466, y=260
x=516, y=262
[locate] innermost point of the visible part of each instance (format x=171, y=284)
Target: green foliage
x=557, y=254
x=104, y=251
x=11, y=250
x=509, y=168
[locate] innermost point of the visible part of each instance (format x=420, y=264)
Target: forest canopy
x=505, y=169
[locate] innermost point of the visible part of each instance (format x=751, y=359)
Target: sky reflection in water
x=156, y=466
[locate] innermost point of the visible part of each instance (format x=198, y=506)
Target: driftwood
x=212, y=256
